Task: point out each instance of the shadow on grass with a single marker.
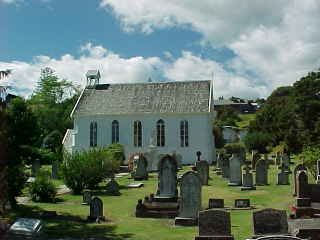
(71, 226)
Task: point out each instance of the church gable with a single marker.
(166, 97)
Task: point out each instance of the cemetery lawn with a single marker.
(121, 223)
(245, 120)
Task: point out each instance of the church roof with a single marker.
(155, 97)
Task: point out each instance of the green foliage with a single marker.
(43, 189)
(22, 132)
(258, 141)
(309, 157)
(86, 169)
(218, 136)
(227, 116)
(292, 114)
(231, 148)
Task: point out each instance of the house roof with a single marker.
(155, 97)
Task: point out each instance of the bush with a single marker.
(258, 141)
(87, 168)
(42, 189)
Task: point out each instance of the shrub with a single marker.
(87, 168)
(258, 141)
(42, 189)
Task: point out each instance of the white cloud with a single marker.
(113, 68)
(278, 41)
(116, 69)
(11, 1)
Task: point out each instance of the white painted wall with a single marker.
(200, 133)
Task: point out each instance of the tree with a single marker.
(3, 161)
(258, 141)
(309, 157)
(22, 134)
(52, 103)
(227, 116)
(218, 136)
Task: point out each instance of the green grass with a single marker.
(119, 211)
(245, 120)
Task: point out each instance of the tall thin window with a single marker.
(160, 133)
(137, 134)
(115, 131)
(93, 134)
(184, 135)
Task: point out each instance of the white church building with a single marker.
(168, 117)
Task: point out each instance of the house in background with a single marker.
(165, 117)
(243, 106)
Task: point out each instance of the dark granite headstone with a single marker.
(203, 170)
(299, 167)
(214, 224)
(86, 197)
(235, 170)
(262, 172)
(283, 176)
(302, 184)
(270, 221)
(96, 209)
(140, 165)
(242, 203)
(216, 203)
(113, 187)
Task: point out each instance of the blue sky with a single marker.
(250, 47)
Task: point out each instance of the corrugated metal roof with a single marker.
(163, 97)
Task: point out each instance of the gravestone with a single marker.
(36, 165)
(299, 167)
(242, 203)
(96, 209)
(167, 179)
(216, 203)
(235, 170)
(285, 160)
(190, 199)
(318, 172)
(214, 224)
(203, 170)
(140, 165)
(112, 188)
(225, 167)
(247, 180)
(270, 222)
(302, 184)
(283, 176)
(26, 228)
(261, 172)
(54, 170)
(86, 197)
(178, 158)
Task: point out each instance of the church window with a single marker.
(137, 134)
(184, 135)
(93, 134)
(160, 133)
(115, 131)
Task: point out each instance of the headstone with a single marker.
(86, 197)
(235, 170)
(247, 180)
(190, 199)
(318, 172)
(299, 167)
(214, 224)
(167, 178)
(140, 165)
(216, 203)
(283, 176)
(242, 203)
(36, 165)
(112, 187)
(96, 209)
(302, 184)
(261, 172)
(26, 228)
(225, 168)
(54, 170)
(270, 222)
(203, 170)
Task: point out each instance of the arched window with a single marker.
(93, 134)
(115, 131)
(160, 133)
(184, 136)
(137, 134)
